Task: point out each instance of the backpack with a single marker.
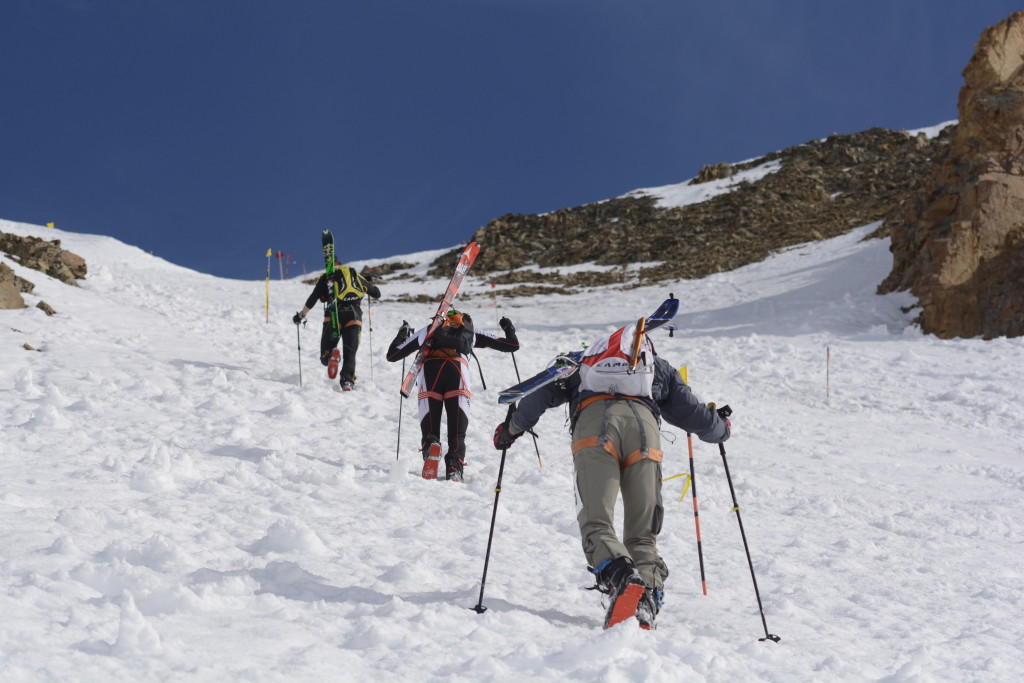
(604, 368)
(457, 337)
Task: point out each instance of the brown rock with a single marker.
(11, 287)
(10, 296)
(959, 246)
(44, 256)
(712, 172)
(45, 308)
(74, 263)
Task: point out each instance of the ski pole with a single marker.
(696, 515)
(299, 338)
(398, 446)
(518, 380)
(369, 314)
(726, 411)
(479, 369)
(480, 609)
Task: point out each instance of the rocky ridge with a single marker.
(822, 188)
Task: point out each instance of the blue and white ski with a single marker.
(565, 365)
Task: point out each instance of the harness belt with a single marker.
(602, 441)
(350, 323)
(443, 353)
(438, 396)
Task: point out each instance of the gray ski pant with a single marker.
(616, 445)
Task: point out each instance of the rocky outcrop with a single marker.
(712, 172)
(960, 247)
(11, 287)
(44, 256)
(820, 189)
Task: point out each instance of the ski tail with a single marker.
(638, 339)
(562, 367)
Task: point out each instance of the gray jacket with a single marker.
(672, 401)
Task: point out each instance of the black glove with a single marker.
(504, 436)
(724, 412)
(405, 331)
(297, 318)
(507, 326)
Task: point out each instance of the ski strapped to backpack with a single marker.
(332, 306)
(567, 364)
(466, 259)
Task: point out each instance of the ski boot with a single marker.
(347, 384)
(453, 468)
(332, 364)
(431, 459)
(648, 607)
(622, 583)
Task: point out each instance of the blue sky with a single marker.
(208, 132)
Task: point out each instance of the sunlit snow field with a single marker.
(174, 506)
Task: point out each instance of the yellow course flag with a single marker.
(270, 252)
(686, 487)
(49, 225)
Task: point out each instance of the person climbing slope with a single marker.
(345, 288)
(444, 384)
(615, 416)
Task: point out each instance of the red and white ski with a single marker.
(465, 261)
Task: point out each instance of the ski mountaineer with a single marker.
(445, 383)
(347, 287)
(615, 417)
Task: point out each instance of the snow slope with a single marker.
(174, 506)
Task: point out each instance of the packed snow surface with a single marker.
(175, 506)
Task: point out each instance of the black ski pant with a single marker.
(351, 329)
(443, 385)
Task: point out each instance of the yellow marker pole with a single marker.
(266, 305)
(49, 225)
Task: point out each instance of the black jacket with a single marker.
(321, 292)
(482, 339)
